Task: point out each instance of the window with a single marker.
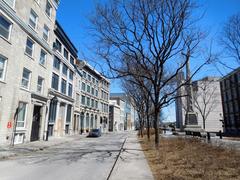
(29, 47)
(45, 33)
(64, 69)
(5, 27)
(43, 56)
(84, 74)
(56, 63)
(58, 46)
(48, 9)
(63, 86)
(97, 82)
(26, 78)
(52, 111)
(22, 107)
(40, 84)
(92, 103)
(65, 53)
(88, 101)
(3, 62)
(33, 19)
(83, 86)
(71, 75)
(93, 80)
(92, 91)
(97, 93)
(55, 80)
(70, 89)
(83, 100)
(11, 3)
(88, 88)
(89, 77)
(71, 60)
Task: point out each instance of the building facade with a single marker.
(206, 104)
(26, 38)
(92, 99)
(116, 121)
(230, 91)
(61, 93)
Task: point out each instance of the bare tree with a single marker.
(205, 98)
(146, 38)
(230, 37)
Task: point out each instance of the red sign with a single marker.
(9, 125)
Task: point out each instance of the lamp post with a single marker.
(52, 101)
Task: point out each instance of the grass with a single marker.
(181, 158)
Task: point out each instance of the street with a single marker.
(86, 158)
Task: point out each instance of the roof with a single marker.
(230, 74)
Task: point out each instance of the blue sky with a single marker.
(73, 16)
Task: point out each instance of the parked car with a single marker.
(95, 133)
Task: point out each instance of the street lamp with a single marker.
(52, 101)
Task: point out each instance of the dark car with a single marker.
(95, 133)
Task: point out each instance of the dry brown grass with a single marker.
(180, 158)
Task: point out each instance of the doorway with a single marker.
(36, 123)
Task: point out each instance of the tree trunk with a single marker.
(148, 124)
(156, 126)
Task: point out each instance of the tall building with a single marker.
(92, 98)
(230, 91)
(26, 38)
(62, 85)
(206, 103)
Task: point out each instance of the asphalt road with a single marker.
(80, 159)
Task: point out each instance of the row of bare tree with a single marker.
(148, 43)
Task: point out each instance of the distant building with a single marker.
(116, 123)
(128, 112)
(207, 104)
(230, 91)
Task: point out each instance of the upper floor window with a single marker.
(48, 9)
(71, 75)
(33, 19)
(84, 74)
(40, 84)
(3, 64)
(26, 75)
(11, 3)
(63, 86)
(29, 47)
(65, 53)
(83, 100)
(71, 60)
(88, 88)
(97, 93)
(5, 27)
(89, 77)
(55, 80)
(58, 46)
(43, 56)
(45, 33)
(56, 63)
(64, 69)
(70, 89)
(97, 82)
(93, 80)
(83, 86)
(92, 91)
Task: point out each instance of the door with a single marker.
(36, 123)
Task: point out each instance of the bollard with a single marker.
(208, 136)
(220, 134)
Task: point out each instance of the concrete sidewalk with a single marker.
(8, 151)
(132, 163)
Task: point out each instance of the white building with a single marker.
(26, 38)
(207, 104)
(116, 115)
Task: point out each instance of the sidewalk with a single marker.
(6, 151)
(132, 163)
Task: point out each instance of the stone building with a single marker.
(26, 38)
(116, 123)
(62, 85)
(92, 98)
(230, 91)
(206, 104)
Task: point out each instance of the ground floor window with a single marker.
(22, 107)
(50, 130)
